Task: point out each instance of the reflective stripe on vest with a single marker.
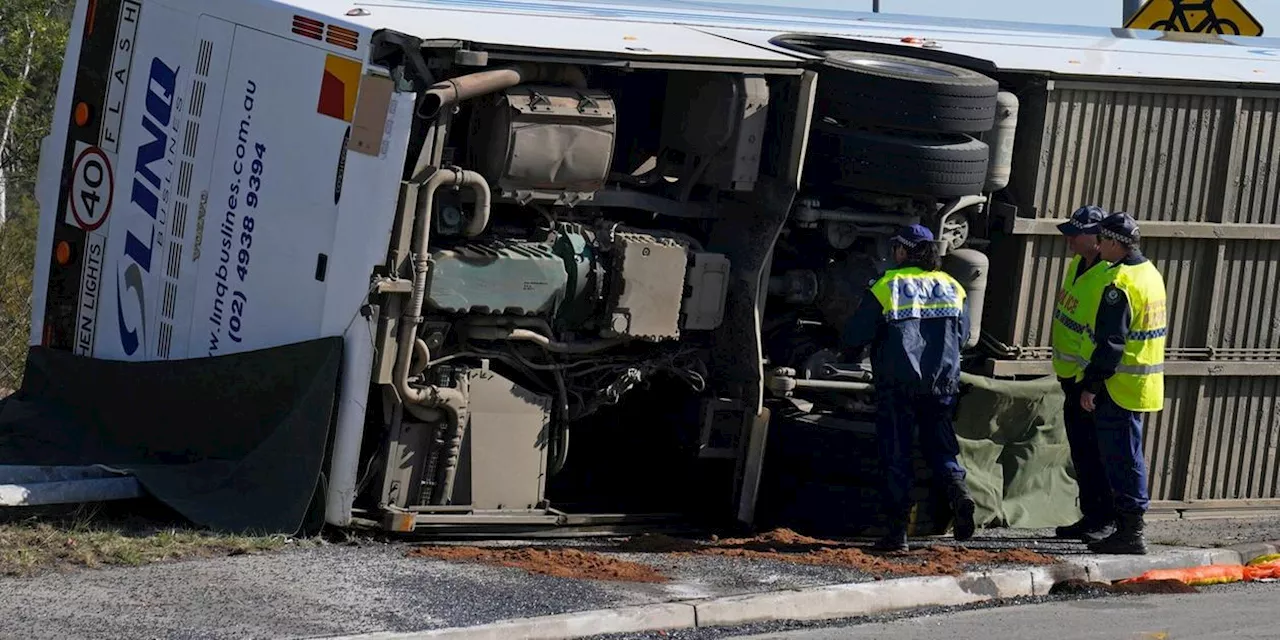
(915, 294)
(1138, 384)
(1076, 307)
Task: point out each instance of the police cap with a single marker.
(912, 236)
(1084, 221)
(1120, 227)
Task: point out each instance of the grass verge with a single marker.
(36, 541)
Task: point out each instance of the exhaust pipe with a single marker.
(450, 92)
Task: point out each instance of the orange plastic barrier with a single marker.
(1262, 571)
(1195, 576)
(1267, 559)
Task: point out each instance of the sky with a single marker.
(1093, 13)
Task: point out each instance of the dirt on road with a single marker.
(1153, 587)
(779, 545)
(788, 546)
(561, 563)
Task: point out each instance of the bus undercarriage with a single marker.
(596, 297)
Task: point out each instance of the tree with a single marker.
(33, 36)
(17, 255)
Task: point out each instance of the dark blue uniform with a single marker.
(1078, 300)
(1124, 377)
(1119, 432)
(1091, 476)
(916, 362)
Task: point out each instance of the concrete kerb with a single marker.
(634, 619)
(836, 601)
(1114, 568)
(1248, 552)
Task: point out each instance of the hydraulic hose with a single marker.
(555, 346)
(451, 402)
(408, 343)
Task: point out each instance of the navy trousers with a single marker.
(1086, 456)
(1120, 442)
(900, 418)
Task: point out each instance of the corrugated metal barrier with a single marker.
(1199, 167)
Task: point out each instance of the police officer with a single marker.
(1077, 305)
(1125, 375)
(916, 318)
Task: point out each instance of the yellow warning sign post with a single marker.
(1223, 17)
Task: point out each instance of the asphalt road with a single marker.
(1238, 612)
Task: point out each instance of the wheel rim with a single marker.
(900, 66)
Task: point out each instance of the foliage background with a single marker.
(33, 36)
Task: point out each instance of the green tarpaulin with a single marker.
(822, 474)
(1014, 447)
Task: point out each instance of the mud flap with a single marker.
(751, 466)
(747, 234)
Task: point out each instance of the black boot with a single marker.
(1097, 532)
(896, 520)
(962, 506)
(894, 540)
(1127, 539)
(1072, 531)
(1086, 529)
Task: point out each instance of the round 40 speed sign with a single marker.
(92, 188)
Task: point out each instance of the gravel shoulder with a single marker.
(334, 590)
(315, 590)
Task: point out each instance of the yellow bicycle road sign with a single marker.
(1224, 17)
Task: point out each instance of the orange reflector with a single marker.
(91, 18)
(344, 38)
(63, 253)
(399, 522)
(82, 114)
(308, 27)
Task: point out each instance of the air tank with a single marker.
(1000, 141)
(970, 268)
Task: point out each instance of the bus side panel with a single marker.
(201, 96)
(370, 195)
(140, 246)
(268, 229)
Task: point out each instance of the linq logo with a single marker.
(161, 85)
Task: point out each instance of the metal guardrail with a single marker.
(29, 486)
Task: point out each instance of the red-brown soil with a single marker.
(781, 544)
(562, 563)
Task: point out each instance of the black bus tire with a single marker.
(897, 163)
(880, 90)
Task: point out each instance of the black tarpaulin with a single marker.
(233, 443)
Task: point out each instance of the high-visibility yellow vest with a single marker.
(1138, 384)
(915, 294)
(1077, 306)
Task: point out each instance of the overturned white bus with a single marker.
(574, 256)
